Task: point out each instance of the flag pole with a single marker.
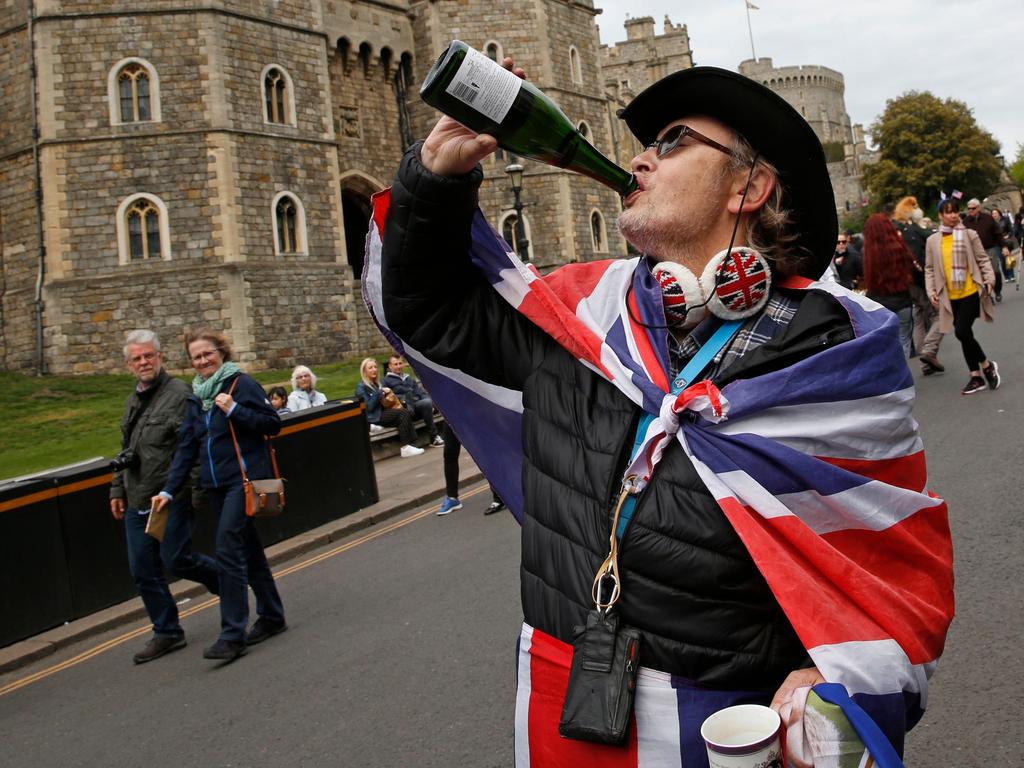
(750, 29)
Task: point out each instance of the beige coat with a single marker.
(935, 277)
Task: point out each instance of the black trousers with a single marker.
(965, 312)
(452, 449)
(402, 419)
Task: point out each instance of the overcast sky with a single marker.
(964, 49)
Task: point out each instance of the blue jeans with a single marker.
(241, 561)
(148, 559)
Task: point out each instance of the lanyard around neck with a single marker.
(690, 373)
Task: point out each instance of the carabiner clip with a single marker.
(609, 570)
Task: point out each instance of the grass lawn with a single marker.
(56, 420)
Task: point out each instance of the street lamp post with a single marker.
(515, 176)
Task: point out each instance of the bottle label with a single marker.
(485, 86)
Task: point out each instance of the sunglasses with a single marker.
(841, 242)
(674, 136)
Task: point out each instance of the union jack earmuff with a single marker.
(735, 284)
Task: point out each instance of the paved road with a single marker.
(400, 650)
(976, 462)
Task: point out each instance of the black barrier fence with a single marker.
(62, 555)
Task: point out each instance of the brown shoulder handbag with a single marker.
(263, 498)
(390, 401)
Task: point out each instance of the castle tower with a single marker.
(818, 94)
(633, 64)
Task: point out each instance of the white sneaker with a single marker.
(375, 428)
(410, 450)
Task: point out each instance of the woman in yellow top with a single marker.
(959, 280)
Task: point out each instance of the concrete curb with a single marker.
(34, 648)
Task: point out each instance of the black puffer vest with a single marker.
(688, 582)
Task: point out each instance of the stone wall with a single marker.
(365, 116)
(19, 244)
(15, 92)
(265, 166)
(19, 262)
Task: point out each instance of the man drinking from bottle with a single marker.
(711, 453)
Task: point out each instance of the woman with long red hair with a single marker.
(888, 272)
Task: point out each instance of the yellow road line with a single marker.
(131, 635)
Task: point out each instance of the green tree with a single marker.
(1017, 167)
(927, 144)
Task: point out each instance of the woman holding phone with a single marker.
(225, 400)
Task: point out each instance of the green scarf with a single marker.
(207, 389)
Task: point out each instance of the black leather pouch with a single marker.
(602, 681)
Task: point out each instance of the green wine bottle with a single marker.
(486, 98)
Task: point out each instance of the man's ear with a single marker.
(762, 184)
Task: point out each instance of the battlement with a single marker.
(799, 76)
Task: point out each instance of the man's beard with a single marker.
(678, 240)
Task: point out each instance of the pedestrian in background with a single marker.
(227, 421)
(450, 502)
(959, 279)
(1006, 227)
(149, 433)
(376, 397)
(991, 235)
(304, 394)
(413, 396)
(846, 261)
(888, 267)
(278, 397)
(905, 216)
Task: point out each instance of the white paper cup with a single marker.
(744, 736)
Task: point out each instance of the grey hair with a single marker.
(974, 201)
(141, 336)
(299, 370)
(771, 230)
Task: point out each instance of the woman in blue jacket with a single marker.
(223, 396)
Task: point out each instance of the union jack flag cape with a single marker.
(818, 466)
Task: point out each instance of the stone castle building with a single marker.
(168, 164)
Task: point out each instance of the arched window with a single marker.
(344, 51)
(405, 66)
(278, 96)
(584, 130)
(510, 232)
(575, 70)
(597, 232)
(142, 229)
(493, 51)
(288, 219)
(133, 92)
(364, 58)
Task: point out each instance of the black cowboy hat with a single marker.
(770, 125)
